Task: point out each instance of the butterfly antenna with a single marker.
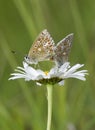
(14, 52)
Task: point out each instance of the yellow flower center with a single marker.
(46, 72)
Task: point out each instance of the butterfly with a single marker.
(44, 48)
(62, 50)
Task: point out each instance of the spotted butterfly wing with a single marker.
(62, 50)
(42, 48)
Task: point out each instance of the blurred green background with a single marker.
(23, 105)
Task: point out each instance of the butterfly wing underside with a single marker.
(62, 50)
(42, 48)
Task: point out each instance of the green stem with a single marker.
(49, 98)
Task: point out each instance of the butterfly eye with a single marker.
(26, 57)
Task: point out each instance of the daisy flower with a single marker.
(54, 76)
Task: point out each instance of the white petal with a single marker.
(61, 83)
(18, 75)
(64, 67)
(25, 64)
(77, 77)
(20, 68)
(39, 84)
(39, 77)
(40, 72)
(53, 72)
(73, 69)
(31, 71)
(82, 71)
(20, 71)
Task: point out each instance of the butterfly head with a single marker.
(30, 60)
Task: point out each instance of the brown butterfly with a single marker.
(62, 50)
(42, 48)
